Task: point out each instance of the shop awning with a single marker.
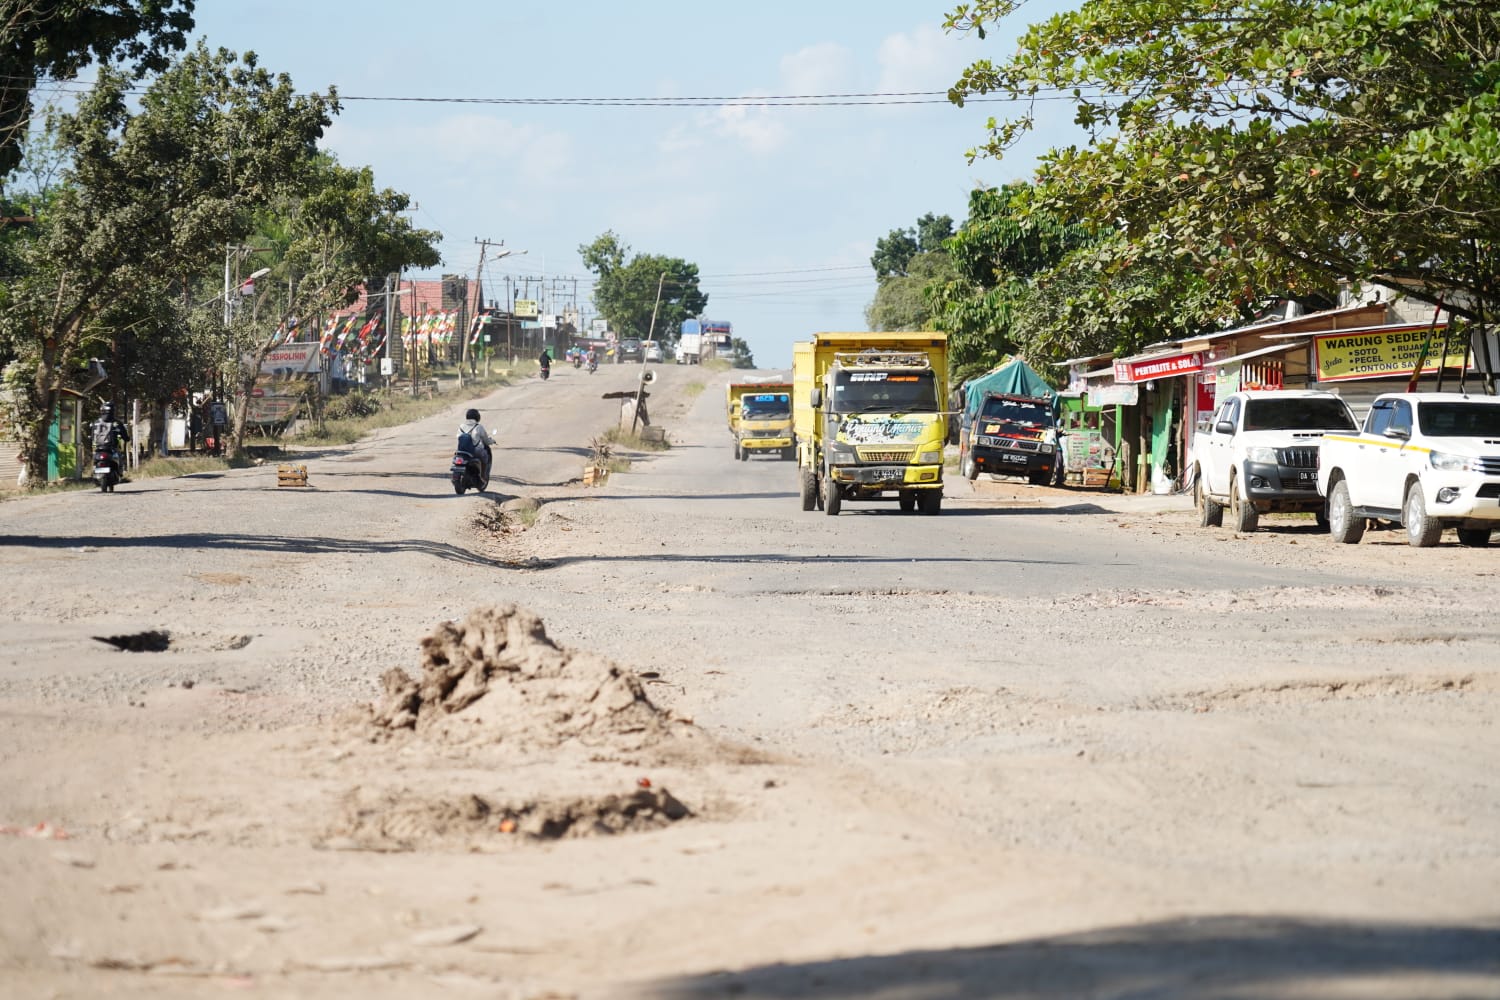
(1261, 352)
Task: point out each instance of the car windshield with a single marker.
(1016, 411)
(765, 406)
(883, 392)
(1300, 413)
(1459, 419)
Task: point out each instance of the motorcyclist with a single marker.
(545, 360)
(484, 444)
(592, 359)
(109, 433)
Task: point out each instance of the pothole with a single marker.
(152, 641)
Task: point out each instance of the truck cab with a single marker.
(1010, 435)
(760, 418)
(1424, 460)
(1258, 454)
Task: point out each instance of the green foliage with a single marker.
(626, 292)
(352, 406)
(895, 251)
(901, 301)
(1278, 143)
(57, 38)
(741, 356)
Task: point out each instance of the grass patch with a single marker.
(166, 468)
(634, 441)
(718, 365)
(349, 418)
(693, 388)
(617, 463)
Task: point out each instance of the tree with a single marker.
(329, 229)
(1274, 143)
(901, 301)
(57, 38)
(740, 356)
(148, 201)
(894, 252)
(626, 292)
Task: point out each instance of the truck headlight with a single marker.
(838, 451)
(1046, 449)
(1261, 456)
(1448, 462)
(929, 457)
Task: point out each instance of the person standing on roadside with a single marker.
(218, 419)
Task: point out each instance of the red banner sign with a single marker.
(1146, 369)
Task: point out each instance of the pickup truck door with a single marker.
(1220, 450)
(1400, 457)
(1373, 462)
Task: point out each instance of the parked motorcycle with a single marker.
(468, 469)
(106, 469)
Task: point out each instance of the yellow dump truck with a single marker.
(760, 418)
(868, 413)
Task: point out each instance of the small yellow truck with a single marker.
(760, 418)
(869, 417)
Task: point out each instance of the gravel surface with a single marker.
(1052, 743)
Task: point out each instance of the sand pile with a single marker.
(495, 677)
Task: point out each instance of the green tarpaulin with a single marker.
(1014, 378)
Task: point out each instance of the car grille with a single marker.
(901, 457)
(1489, 465)
(767, 434)
(1016, 444)
(1300, 458)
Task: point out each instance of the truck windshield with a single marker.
(1306, 413)
(884, 392)
(1016, 411)
(765, 406)
(1459, 419)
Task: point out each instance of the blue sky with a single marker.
(779, 207)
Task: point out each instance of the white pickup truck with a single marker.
(1425, 460)
(1259, 454)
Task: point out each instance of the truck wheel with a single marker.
(1422, 531)
(831, 499)
(1342, 524)
(1244, 515)
(744, 453)
(1039, 478)
(970, 470)
(908, 502)
(1210, 512)
(1475, 537)
(809, 488)
(930, 502)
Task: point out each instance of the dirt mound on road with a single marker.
(495, 677)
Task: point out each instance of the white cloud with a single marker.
(474, 142)
(824, 68)
(754, 128)
(924, 59)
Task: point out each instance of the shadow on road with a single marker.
(253, 543)
(785, 558)
(1216, 958)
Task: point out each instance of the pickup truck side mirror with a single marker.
(815, 398)
(1398, 433)
(1224, 427)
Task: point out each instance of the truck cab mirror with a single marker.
(1224, 427)
(815, 399)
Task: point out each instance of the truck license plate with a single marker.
(1015, 459)
(1306, 476)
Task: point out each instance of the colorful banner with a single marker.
(1382, 353)
(1147, 369)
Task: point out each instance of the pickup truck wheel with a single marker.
(970, 470)
(1422, 531)
(1244, 515)
(930, 502)
(1475, 537)
(1210, 512)
(832, 501)
(809, 488)
(1342, 524)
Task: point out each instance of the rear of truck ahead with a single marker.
(760, 418)
(868, 409)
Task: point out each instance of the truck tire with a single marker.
(930, 502)
(1474, 537)
(1210, 511)
(1242, 513)
(832, 501)
(970, 469)
(809, 488)
(1039, 478)
(908, 501)
(1343, 526)
(744, 453)
(1422, 531)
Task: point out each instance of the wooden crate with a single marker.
(291, 475)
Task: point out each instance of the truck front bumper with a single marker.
(1007, 462)
(1461, 496)
(875, 478)
(765, 444)
(1281, 488)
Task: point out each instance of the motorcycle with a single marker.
(546, 373)
(106, 469)
(577, 361)
(593, 365)
(468, 469)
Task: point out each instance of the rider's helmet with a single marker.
(472, 415)
(107, 412)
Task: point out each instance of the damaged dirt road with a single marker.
(676, 737)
